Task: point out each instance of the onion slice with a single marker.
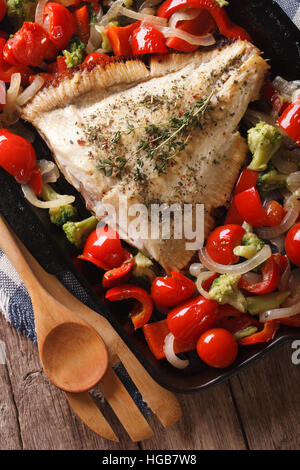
(196, 268)
(31, 90)
(207, 40)
(241, 268)
(293, 181)
(170, 354)
(185, 14)
(268, 233)
(31, 197)
(151, 19)
(200, 279)
(49, 171)
(39, 12)
(2, 92)
(283, 164)
(278, 313)
(149, 4)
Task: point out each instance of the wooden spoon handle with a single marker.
(89, 413)
(13, 252)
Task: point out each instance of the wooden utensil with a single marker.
(162, 402)
(72, 353)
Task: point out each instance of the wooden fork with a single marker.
(162, 402)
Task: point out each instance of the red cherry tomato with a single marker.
(275, 213)
(148, 40)
(217, 348)
(2, 9)
(6, 70)
(17, 156)
(170, 291)
(29, 46)
(190, 319)
(62, 24)
(96, 58)
(292, 244)
(222, 241)
(290, 121)
(103, 248)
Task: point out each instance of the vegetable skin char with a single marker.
(94, 117)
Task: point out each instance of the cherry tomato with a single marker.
(2, 9)
(17, 155)
(222, 241)
(190, 319)
(29, 46)
(170, 291)
(290, 121)
(96, 58)
(62, 24)
(148, 40)
(103, 248)
(275, 213)
(292, 244)
(217, 348)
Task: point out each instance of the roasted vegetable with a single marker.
(58, 215)
(264, 140)
(77, 232)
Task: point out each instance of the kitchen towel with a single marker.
(15, 303)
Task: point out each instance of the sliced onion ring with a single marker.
(49, 171)
(268, 233)
(283, 164)
(241, 268)
(149, 4)
(184, 14)
(31, 197)
(39, 12)
(207, 40)
(278, 313)
(31, 90)
(170, 354)
(200, 279)
(2, 92)
(154, 20)
(293, 181)
(196, 268)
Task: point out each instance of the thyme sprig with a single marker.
(108, 166)
(164, 141)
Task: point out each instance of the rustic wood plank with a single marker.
(45, 418)
(267, 397)
(10, 437)
(209, 421)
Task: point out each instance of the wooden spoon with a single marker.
(72, 353)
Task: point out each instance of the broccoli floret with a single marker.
(142, 267)
(58, 215)
(261, 303)
(251, 245)
(77, 232)
(263, 140)
(74, 54)
(271, 180)
(19, 11)
(223, 3)
(225, 290)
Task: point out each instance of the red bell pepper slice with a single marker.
(200, 26)
(263, 336)
(270, 279)
(36, 181)
(139, 317)
(250, 208)
(83, 23)
(247, 179)
(148, 40)
(121, 274)
(155, 334)
(120, 38)
(61, 65)
(293, 322)
(97, 58)
(224, 23)
(289, 121)
(233, 320)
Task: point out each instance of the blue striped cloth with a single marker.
(15, 302)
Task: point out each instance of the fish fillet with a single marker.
(102, 125)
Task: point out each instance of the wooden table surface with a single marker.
(258, 409)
